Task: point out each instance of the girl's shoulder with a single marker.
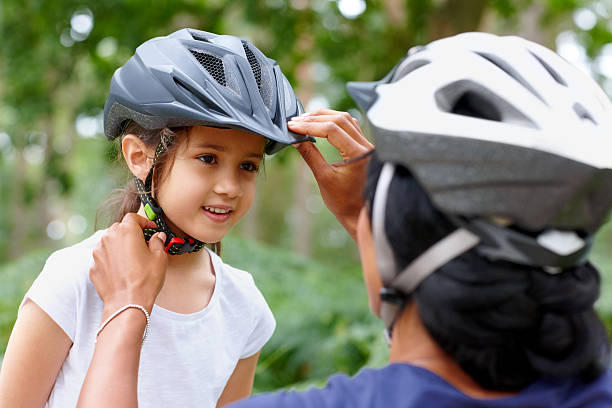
(63, 285)
(74, 259)
(235, 283)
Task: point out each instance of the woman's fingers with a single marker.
(313, 158)
(141, 221)
(346, 145)
(343, 119)
(340, 184)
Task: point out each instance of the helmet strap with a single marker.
(392, 301)
(174, 245)
(502, 243)
(397, 287)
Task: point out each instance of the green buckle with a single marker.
(150, 213)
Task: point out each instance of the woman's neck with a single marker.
(412, 344)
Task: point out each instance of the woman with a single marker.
(479, 212)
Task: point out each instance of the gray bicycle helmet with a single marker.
(194, 77)
(508, 139)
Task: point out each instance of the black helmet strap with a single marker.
(174, 245)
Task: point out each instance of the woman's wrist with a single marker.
(111, 306)
(129, 325)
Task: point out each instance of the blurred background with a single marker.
(56, 168)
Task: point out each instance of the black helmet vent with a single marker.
(255, 67)
(477, 106)
(212, 64)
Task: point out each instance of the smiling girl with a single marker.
(194, 114)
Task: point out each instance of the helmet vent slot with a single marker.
(551, 71)
(195, 95)
(504, 66)
(404, 70)
(199, 37)
(477, 106)
(212, 64)
(582, 113)
(255, 67)
(470, 99)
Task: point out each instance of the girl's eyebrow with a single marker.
(255, 155)
(221, 148)
(210, 146)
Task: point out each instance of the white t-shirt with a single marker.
(187, 358)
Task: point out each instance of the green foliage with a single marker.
(15, 279)
(602, 258)
(323, 320)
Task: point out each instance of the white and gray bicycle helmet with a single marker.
(508, 139)
(193, 77)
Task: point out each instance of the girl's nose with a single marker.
(228, 184)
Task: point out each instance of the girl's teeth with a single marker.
(217, 210)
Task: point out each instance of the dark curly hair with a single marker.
(505, 324)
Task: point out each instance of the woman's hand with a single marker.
(341, 184)
(125, 269)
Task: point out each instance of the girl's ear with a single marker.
(137, 156)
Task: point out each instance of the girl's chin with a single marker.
(206, 238)
(210, 237)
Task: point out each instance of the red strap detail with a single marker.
(173, 241)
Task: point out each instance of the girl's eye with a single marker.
(208, 159)
(250, 167)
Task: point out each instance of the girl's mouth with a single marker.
(216, 213)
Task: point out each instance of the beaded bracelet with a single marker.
(124, 308)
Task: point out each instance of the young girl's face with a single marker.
(211, 184)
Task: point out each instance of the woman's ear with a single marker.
(137, 156)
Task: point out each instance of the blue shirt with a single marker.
(404, 385)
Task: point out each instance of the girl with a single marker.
(194, 113)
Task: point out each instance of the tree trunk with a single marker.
(395, 10)
(302, 230)
(456, 16)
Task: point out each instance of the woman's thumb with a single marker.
(157, 241)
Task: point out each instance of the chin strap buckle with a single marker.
(175, 245)
(178, 246)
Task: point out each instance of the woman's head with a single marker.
(483, 203)
(505, 324)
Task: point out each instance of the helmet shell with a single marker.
(194, 77)
(497, 127)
